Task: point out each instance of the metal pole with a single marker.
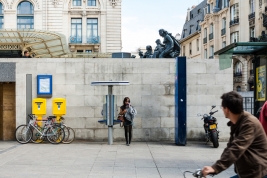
(110, 127)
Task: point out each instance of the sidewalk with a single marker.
(98, 160)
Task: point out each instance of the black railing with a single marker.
(238, 74)
(211, 36)
(234, 22)
(223, 31)
(251, 16)
(205, 40)
(248, 104)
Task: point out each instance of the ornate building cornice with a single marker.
(36, 2)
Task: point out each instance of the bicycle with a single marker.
(197, 173)
(54, 134)
(69, 132)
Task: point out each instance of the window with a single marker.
(91, 3)
(25, 17)
(190, 48)
(205, 33)
(191, 27)
(238, 69)
(1, 16)
(252, 32)
(235, 37)
(238, 88)
(211, 7)
(234, 11)
(88, 51)
(197, 44)
(76, 31)
(223, 44)
(252, 6)
(211, 51)
(223, 23)
(211, 28)
(198, 11)
(183, 50)
(206, 54)
(77, 2)
(223, 4)
(206, 10)
(92, 31)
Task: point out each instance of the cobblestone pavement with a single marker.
(83, 159)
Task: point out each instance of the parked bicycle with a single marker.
(53, 133)
(69, 132)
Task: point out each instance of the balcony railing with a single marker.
(93, 40)
(205, 40)
(89, 40)
(251, 16)
(211, 36)
(238, 74)
(234, 22)
(75, 39)
(223, 31)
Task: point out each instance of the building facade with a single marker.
(89, 25)
(225, 22)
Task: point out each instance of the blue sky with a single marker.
(141, 20)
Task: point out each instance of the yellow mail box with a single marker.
(59, 106)
(39, 106)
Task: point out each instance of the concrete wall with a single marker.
(151, 91)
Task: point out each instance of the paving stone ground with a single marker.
(82, 159)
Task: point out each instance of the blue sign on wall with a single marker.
(44, 86)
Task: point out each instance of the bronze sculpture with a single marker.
(169, 49)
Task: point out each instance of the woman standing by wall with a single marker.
(128, 113)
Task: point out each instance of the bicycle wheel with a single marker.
(36, 136)
(23, 134)
(71, 136)
(55, 135)
(67, 132)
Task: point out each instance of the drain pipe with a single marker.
(46, 4)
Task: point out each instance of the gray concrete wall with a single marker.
(151, 91)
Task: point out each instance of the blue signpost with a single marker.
(180, 101)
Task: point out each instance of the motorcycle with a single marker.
(210, 126)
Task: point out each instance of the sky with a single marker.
(142, 19)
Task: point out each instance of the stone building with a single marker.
(221, 23)
(88, 25)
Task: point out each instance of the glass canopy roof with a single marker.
(44, 44)
(242, 48)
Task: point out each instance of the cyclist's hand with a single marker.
(207, 170)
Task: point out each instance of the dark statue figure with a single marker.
(264, 22)
(169, 49)
(148, 53)
(159, 48)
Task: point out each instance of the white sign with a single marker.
(44, 86)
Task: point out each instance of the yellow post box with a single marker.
(59, 107)
(39, 108)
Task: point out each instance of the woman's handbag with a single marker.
(121, 118)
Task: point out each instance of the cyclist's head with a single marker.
(233, 101)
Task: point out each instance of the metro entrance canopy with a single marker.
(42, 44)
(241, 48)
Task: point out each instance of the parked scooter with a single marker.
(210, 126)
